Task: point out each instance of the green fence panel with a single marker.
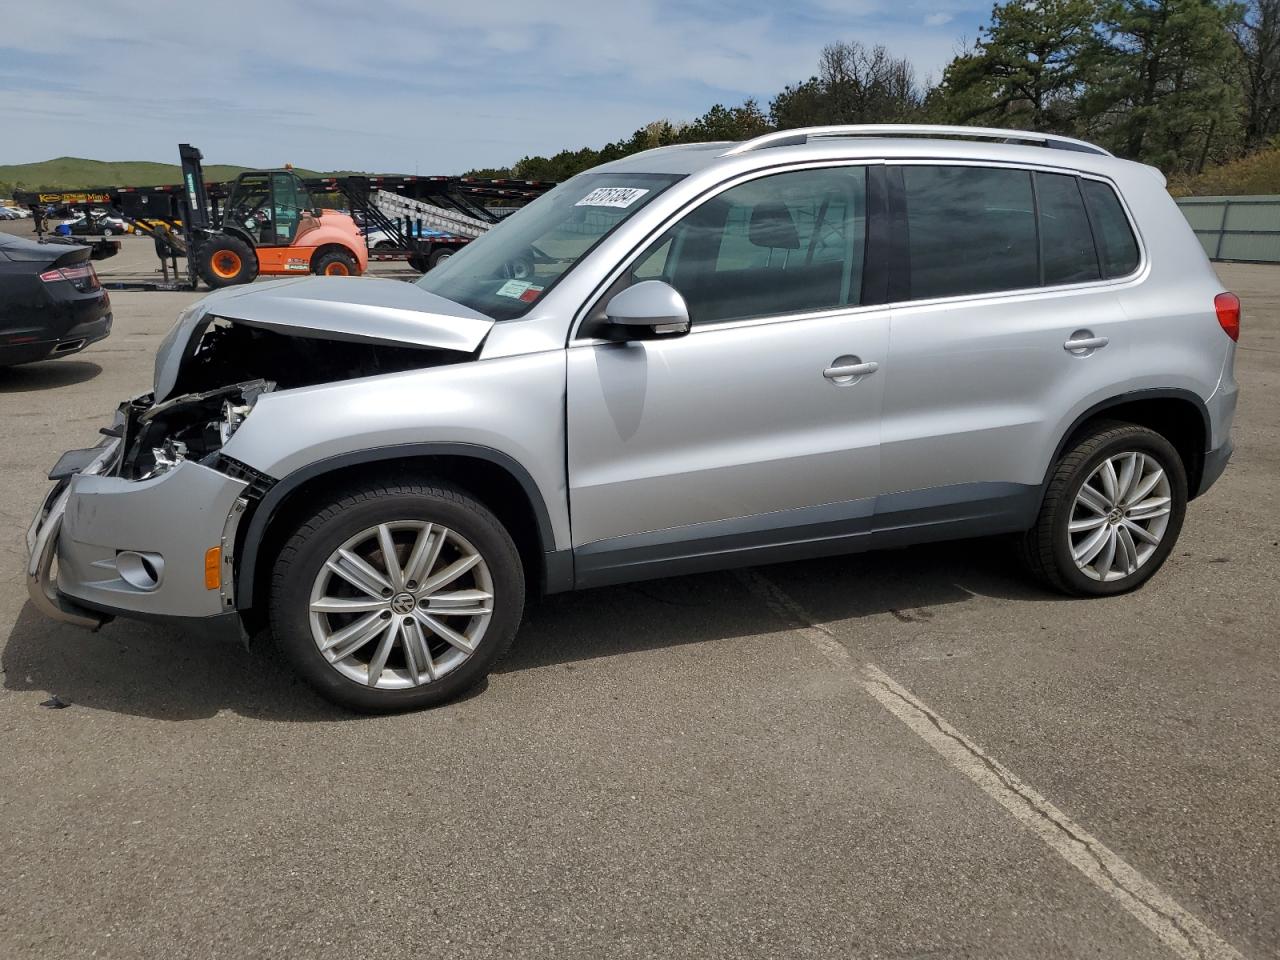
(1236, 228)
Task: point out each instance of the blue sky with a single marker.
(409, 85)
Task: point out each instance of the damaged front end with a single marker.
(145, 524)
(159, 436)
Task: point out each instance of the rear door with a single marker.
(1008, 321)
(735, 439)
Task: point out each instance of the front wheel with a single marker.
(225, 260)
(1112, 513)
(397, 597)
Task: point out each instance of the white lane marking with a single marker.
(1175, 927)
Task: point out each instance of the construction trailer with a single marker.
(420, 219)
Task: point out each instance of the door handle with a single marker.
(1079, 343)
(844, 373)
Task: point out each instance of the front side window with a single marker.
(784, 244)
(969, 230)
(509, 268)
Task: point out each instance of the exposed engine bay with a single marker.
(233, 364)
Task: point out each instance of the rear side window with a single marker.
(969, 230)
(1066, 242)
(1117, 247)
(987, 229)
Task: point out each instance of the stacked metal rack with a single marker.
(421, 219)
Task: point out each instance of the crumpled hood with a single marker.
(356, 309)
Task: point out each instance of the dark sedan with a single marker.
(51, 303)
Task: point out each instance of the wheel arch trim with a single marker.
(1119, 400)
(260, 520)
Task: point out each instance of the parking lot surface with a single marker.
(907, 754)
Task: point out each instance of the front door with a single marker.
(745, 437)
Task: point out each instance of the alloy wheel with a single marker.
(401, 604)
(1119, 516)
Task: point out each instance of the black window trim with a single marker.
(900, 268)
(879, 262)
(1093, 231)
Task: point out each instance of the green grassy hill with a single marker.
(71, 172)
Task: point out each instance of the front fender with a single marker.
(349, 240)
(508, 410)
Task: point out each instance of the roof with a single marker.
(917, 142)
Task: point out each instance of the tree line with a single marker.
(1180, 84)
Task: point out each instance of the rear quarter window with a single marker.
(1117, 246)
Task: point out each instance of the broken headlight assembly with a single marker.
(194, 426)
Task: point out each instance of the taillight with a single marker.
(81, 274)
(1228, 307)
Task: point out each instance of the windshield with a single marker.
(505, 271)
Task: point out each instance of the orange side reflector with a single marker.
(213, 568)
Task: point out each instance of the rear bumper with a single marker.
(71, 341)
(90, 522)
(1215, 463)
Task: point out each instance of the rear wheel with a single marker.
(396, 597)
(1112, 513)
(226, 260)
(335, 263)
(439, 257)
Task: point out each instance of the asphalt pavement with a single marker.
(916, 753)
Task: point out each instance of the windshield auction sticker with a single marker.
(520, 290)
(612, 197)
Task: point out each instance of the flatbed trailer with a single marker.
(173, 214)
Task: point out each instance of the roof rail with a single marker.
(790, 138)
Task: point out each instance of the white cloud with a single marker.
(938, 19)
(404, 84)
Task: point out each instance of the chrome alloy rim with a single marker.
(401, 604)
(1119, 516)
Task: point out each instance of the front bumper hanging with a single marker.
(42, 549)
(93, 524)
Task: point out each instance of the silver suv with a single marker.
(814, 342)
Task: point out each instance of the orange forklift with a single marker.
(265, 222)
(268, 226)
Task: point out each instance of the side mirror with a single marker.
(649, 310)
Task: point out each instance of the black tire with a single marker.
(419, 262)
(335, 263)
(1046, 548)
(332, 523)
(225, 261)
(444, 253)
